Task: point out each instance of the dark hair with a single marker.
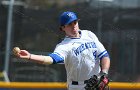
(60, 28)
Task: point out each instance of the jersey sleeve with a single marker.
(59, 54)
(101, 51)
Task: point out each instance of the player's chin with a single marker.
(74, 34)
(74, 31)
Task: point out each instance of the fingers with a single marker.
(21, 53)
(24, 53)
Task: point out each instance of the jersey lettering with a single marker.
(84, 46)
(94, 54)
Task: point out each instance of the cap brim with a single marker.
(71, 21)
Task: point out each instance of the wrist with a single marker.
(104, 71)
(29, 57)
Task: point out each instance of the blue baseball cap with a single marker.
(67, 17)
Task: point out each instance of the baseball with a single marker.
(16, 50)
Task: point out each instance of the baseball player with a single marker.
(82, 53)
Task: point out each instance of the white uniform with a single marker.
(81, 57)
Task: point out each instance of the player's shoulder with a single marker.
(88, 32)
(63, 42)
(84, 31)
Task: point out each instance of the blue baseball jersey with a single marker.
(81, 56)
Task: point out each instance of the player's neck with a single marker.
(77, 35)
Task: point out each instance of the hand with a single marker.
(102, 74)
(24, 54)
(103, 80)
(21, 53)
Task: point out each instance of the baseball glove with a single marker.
(98, 82)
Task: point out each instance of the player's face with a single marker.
(71, 29)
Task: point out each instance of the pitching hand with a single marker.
(21, 53)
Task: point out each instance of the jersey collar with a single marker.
(80, 33)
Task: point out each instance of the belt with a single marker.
(78, 82)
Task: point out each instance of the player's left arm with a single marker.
(100, 81)
(101, 53)
(105, 64)
(103, 75)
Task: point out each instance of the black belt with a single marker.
(76, 82)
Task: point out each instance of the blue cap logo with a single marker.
(67, 18)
